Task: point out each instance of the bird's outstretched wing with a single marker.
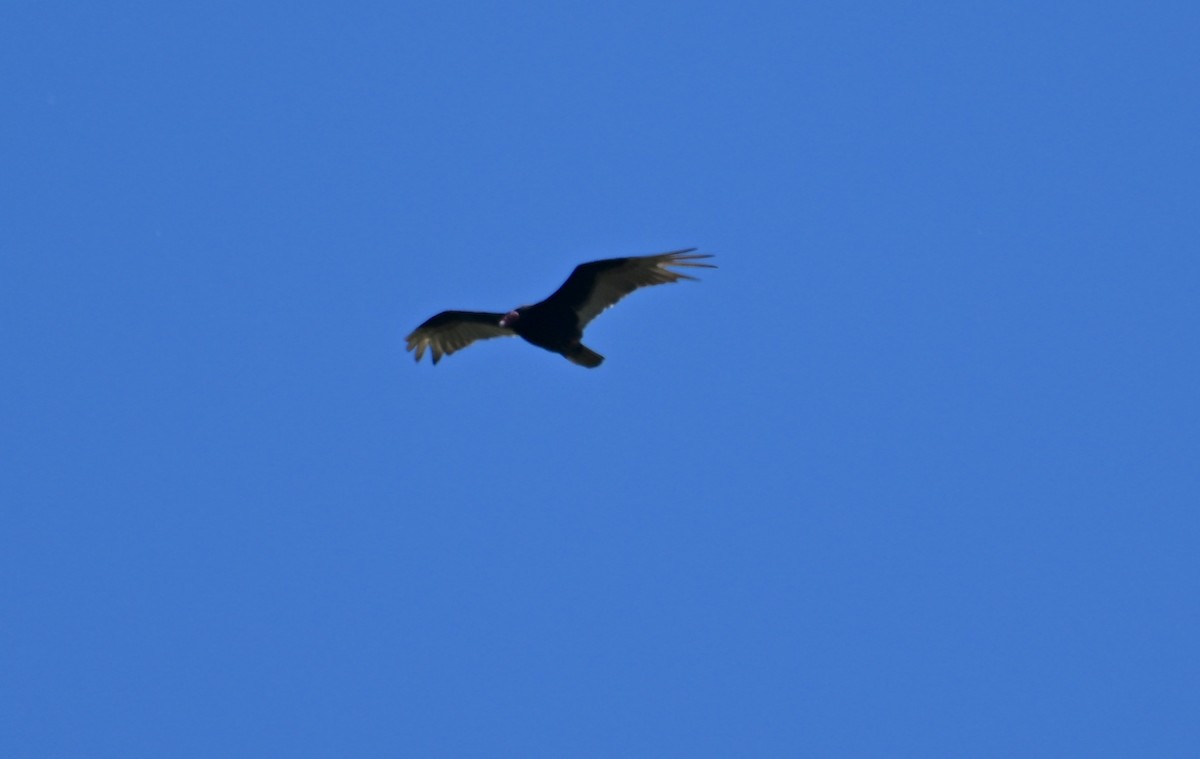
(452, 331)
(598, 285)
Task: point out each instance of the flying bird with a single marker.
(557, 323)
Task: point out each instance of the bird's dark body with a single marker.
(549, 325)
(556, 324)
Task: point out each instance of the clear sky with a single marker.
(913, 473)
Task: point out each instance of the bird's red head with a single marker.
(509, 319)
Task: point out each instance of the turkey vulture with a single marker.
(556, 323)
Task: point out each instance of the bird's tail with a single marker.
(583, 355)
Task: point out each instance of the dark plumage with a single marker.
(557, 323)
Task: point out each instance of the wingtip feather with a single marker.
(686, 258)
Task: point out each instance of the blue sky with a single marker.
(914, 473)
